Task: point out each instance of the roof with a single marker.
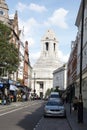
(49, 35)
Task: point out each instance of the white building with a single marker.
(46, 64)
(21, 64)
(84, 61)
(60, 77)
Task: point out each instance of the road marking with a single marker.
(38, 123)
(18, 109)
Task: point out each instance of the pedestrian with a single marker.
(4, 100)
(24, 97)
(75, 103)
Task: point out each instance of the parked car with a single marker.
(54, 95)
(54, 108)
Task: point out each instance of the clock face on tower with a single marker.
(2, 12)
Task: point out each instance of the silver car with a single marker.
(54, 95)
(54, 108)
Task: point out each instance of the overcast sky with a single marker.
(37, 16)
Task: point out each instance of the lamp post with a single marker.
(34, 83)
(80, 103)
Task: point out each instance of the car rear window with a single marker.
(54, 96)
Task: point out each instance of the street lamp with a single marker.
(34, 83)
(80, 103)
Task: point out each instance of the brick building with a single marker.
(16, 34)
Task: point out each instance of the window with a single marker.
(54, 46)
(1, 12)
(47, 45)
(41, 85)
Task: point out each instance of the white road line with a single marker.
(38, 123)
(18, 109)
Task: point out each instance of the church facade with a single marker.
(42, 74)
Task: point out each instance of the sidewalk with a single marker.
(13, 104)
(72, 119)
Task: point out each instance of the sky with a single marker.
(35, 17)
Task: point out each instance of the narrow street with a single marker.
(29, 116)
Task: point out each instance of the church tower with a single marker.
(4, 17)
(49, 45)
(46, 64)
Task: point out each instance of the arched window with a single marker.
(54, 46)
(47, 45)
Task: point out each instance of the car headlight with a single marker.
(62, 108)
(46, 109)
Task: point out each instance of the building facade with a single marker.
(60, 77)
(27, 68)
(16, 36)
(42, 74)
(72, 64)
(84, 52)
(73, 69)
(13, 24)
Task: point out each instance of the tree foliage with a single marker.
(9, 55)
(47, 93)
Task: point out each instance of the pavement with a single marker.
(72, 118)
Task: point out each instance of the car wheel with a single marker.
(65, 115)
(45, 116)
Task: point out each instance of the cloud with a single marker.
(33, 57)
(21, 7)
(63, 56)
(58, 18)
(35, 7)
(11, 16)
(29, 25)
(28, 28)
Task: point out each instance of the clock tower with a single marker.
(4, 17)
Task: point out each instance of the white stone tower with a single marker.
(4, 17)
(46, 64)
